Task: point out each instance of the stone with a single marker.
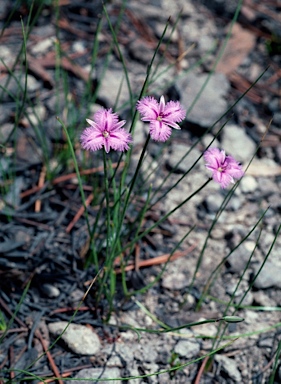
(11, 84)
(179, 161)
(96, 373)
(176, 281)
(27, 150)
(239, 258)
(13, 196)
(268, 277)
(113, 87)
(5, 131)
(140, 51)
(43, 46)
(211, 104)
(229, 367)
(248, 184)
(79, 338)
(213, 202)
(187, 349)
(34, 115)
(50, 290)
(237, 143)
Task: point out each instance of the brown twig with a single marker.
(201, 370)
(79, 213)
(12, 359)
(156, 260)
(67, 373)
(69, 176)
(49, 356)
(15, 330)
(41, 182)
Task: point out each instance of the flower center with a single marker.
(159, 118)
(221, 169)
(105, 134)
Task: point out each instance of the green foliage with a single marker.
(174, 362)
(3, 324)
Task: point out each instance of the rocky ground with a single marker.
(39, 243)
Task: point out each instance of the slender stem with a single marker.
(167, 215)
(106, 190)
(129, 193)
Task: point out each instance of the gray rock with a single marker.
(205, 112)
(96, 373)
(79, 338)
(268, 277)
(238, 259)
(50, 290)
(27, 150)
(141, 352)
(178, 153)
(237, 143)
(187, 349)
(213, 202)
(13, 196)
(35, 115)
(5, 113)
(176, 281)
(43, 46)
(164, 378)
(11, 84)
(5, 131)
(140, 51)
(113, 86)
(248, 184)
(234, 203)
(146, 353)
(229, 367)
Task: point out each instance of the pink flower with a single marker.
(105, 131)
(161, 117)
(224, 168)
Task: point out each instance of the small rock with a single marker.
(179, 162)
(79, 338)
(113, 86)
(176, 281)
(213, 202)
(237, 261)
(78, 46)
(96, 373)
(50, 290)
(13, 196)
(6, 53)
(76, 296)
(27, 150)
(268, 277)
(140, 51)
(139, 133)
(146, 353)
(234, 203)
(36, 115)
(237, 143)
(229, 367)
(248, 184)
(43, 46)
(187, 349)
(205, 111)
(5, 131)
(263, 300)
(205, 329)
(164, 378)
